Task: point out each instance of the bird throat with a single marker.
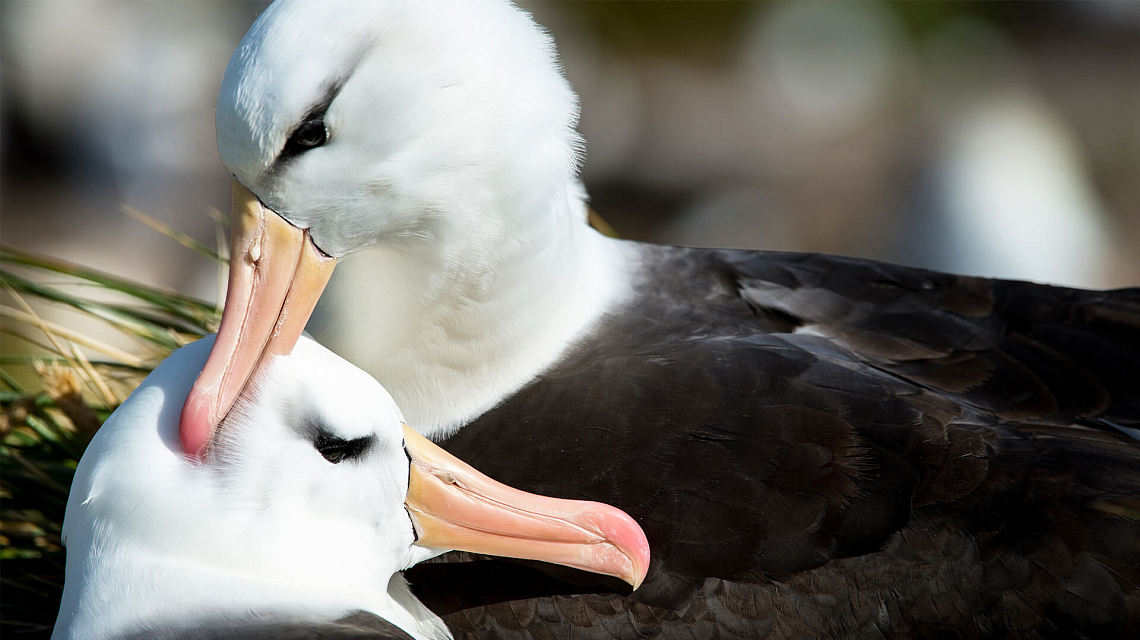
(450, 343)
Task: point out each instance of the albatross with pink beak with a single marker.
(312, 499)
(805, 439)
(434, 141)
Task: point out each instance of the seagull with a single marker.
(814, 445)
(312, 500)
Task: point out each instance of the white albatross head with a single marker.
(439, 130)
(310, 501)
(372, 122)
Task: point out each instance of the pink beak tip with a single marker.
(621, 529)
(194, 426)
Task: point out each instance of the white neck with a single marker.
(127, 590)
(452, 330)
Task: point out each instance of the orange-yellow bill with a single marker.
(453, 506)
(276, 277)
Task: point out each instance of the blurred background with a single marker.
(997, 139)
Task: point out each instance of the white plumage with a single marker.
(267, 527)
(451, 164)
(310, 499)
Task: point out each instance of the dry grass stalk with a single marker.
(63, 387)
(73, 336)
(56, 344)
(170, 232)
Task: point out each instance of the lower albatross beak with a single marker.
(453, 506)
(276, 276)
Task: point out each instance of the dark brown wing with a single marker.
(1017, 350)
(830, 447)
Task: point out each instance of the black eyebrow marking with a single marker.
(336, 449)
(316, 112)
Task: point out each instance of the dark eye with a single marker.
(337, 450)
(310, 134)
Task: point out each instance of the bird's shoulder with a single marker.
(763, 414)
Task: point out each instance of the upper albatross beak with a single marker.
(453, 506)
(276, 277)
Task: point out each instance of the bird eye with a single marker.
(311, 133)
(337, 450)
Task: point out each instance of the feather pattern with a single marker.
(820, 446)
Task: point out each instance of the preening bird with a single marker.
(297, 523)
(816, 446)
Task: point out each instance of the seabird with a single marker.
(313, 498)
(815, 446)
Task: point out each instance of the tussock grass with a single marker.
(77, 380)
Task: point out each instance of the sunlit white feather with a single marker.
(452, 160)
(266, 527)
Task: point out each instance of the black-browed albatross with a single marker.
(312, 499)
(815, 446)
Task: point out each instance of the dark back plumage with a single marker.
(820, 446)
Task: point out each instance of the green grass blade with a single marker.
(194, 310)
(16, 359)
(11, 382)
(121, 320)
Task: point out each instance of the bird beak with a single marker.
(276, 276)
(453, 506)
